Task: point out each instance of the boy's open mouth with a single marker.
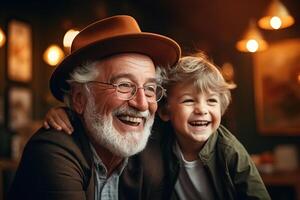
(199, 123)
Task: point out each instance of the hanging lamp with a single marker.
(276, 17)
(252, 40)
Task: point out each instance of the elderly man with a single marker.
(110, 83)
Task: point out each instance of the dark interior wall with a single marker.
(51, 19)
(245, 112)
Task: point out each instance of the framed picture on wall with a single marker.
(1, 109)
(19, 51)
(20, 107)
(277, 88)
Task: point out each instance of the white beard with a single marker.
(104, 133)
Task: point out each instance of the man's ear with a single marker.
(78, 99)
(163, 113)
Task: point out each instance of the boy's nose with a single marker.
(139, 101)
(200, 108)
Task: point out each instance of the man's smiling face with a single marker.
(129, 121)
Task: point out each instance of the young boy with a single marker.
(203, 160)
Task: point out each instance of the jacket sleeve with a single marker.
(244, 174)
(50, 168)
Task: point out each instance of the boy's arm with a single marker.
(246, 177)
(57, 118)
(242, 171)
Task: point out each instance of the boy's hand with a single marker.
(58, 119)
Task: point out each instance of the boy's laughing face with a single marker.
(193, 114)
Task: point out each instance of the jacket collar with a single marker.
(82, 141)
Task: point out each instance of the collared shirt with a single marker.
(106, 188)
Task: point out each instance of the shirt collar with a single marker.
(100, 167)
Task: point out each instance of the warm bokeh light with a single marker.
(275, 22)
(69, 36)
(276, 17)
(53, 55)
(252, 45)
(252, 40)
(299, 78)
(2, 38)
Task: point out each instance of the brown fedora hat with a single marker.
(114, 35)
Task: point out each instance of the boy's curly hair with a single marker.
(201, 72)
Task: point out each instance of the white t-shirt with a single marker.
(192, 182)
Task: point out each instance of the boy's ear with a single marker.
(78, 100)
(163, 113)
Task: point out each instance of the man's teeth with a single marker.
(131, 119)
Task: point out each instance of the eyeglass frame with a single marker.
(134, 89)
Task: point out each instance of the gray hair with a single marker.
(202, 73)
(82, 74)
(89, 72)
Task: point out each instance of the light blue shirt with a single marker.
(106, 188)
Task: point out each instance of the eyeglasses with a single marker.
(127, 90)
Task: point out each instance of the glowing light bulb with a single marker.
(252, 45)
(53, 55)
(69, 36)
(2, 38)
(275, 22)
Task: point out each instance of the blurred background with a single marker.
(260, 57)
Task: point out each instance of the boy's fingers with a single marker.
(53, 124)
(65, 127)
(58, 119)
(64, 121)
(70, 127)
(46, 125)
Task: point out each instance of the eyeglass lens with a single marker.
(127, 91)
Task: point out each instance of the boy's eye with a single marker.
(213, 100)
(188, 101)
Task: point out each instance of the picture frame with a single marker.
(20, 107)
(19, 51)
(277, 88)
(1, 109)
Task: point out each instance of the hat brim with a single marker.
(162, 50)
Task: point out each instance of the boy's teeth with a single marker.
(200, 123)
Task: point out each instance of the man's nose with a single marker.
(139, 100)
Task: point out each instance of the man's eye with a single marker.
(150, 88)
(125, 86)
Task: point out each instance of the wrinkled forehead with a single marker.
(132, 65)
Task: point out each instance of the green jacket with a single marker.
(232, 173)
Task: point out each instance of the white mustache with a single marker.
(132, 112)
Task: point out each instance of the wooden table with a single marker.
(6, 165)
(287, 178)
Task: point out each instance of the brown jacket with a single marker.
(58, 166)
